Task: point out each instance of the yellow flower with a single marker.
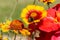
(5, 26)
(24, 32)
(33, 11)
(1, 24)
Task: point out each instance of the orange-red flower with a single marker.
(16, 25)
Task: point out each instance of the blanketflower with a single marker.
(16, 25)
(5, 26)
(24, 32)
(33, 13)
(47, 1)
(48, 24)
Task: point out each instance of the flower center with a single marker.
(30, 19)
(33, 14)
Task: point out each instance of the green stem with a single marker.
(8, 35)
(15, 37)
(15, 6)
(19, 34)
(34, 2)
(48, 4)
(1, 34)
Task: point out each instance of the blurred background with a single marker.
(13, 8)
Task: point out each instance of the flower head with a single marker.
(16, 25)
(33, 13)
(5, 26)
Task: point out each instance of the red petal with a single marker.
(48, 25)
(56, 7)
(51, 12)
